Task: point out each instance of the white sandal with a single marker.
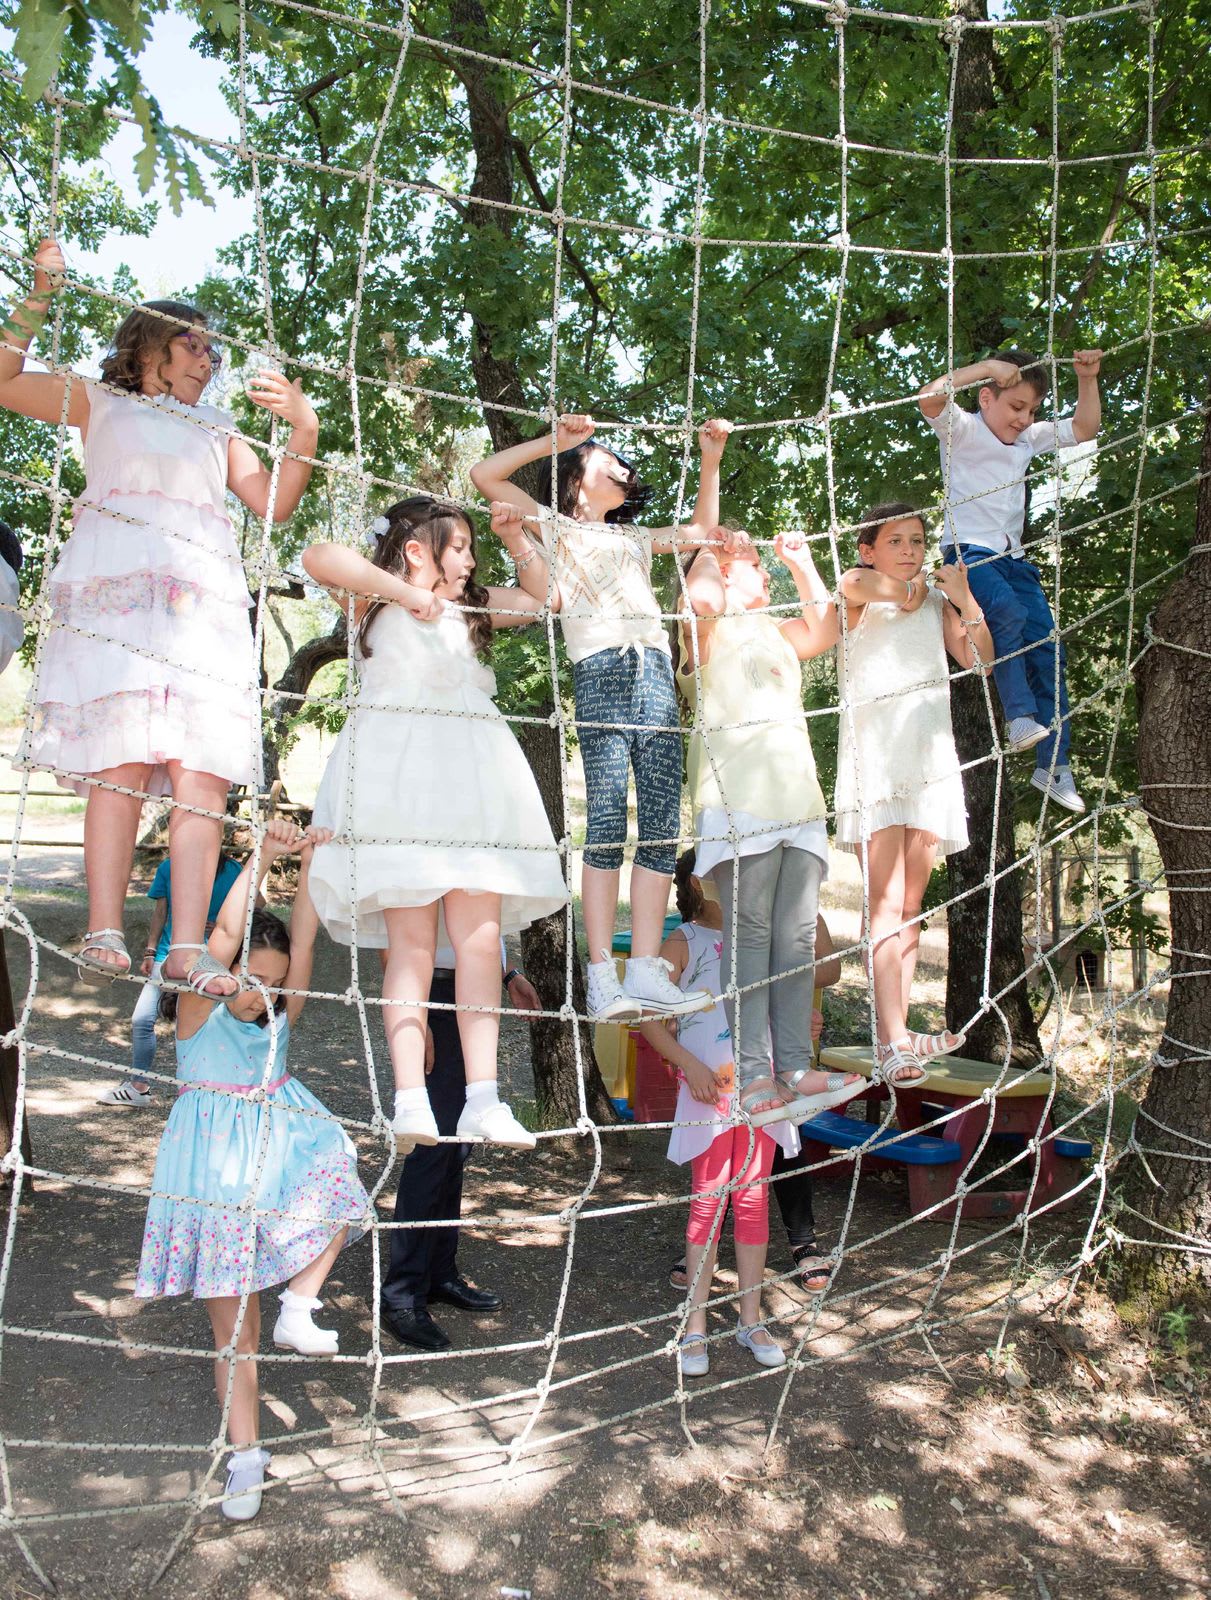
(95, 971)
(897, 1059)
(928, 1046)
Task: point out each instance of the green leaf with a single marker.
(41, 26)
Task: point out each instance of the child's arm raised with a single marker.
(704, 589)
(933, 397)
(343, 571)
(38, 394)
(712, 440)
(494, 477)
(248, 477)
(1087, 418)
(227, 935)
(816, 629)
(529, 556)
(304, 925)
(963, 627)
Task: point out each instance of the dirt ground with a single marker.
(1068, 1460)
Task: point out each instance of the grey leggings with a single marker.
(779, 894)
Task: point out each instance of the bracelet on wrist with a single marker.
(972, 622)
(513, 972)
(907, 601)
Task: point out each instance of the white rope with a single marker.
(842, 1307)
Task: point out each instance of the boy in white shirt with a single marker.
(985, 458)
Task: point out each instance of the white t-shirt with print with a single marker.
(604, 573)
(985, 480)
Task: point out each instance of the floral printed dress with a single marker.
(221, 1145)
(149, 656)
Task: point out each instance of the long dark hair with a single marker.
(147, 332)
(691, 902)
(433, 523)
(876, 517)
(268, 933)
(569, 475)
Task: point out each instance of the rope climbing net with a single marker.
(561, 1356)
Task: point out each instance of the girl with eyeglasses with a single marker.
(147, 682)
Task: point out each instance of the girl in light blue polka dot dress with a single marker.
(241, 1127)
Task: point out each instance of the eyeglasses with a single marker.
(198, 346)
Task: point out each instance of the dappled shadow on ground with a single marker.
(1060, 1468)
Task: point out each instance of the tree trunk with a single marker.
(996, 916)
(544, 944)
(294, 683)
(8, 1072)
(1169, 1187)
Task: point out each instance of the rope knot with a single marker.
(952, 33)
(1055, 30)
(838, 13)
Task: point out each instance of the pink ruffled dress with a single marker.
(149, 656)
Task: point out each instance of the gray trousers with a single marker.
(779, 899)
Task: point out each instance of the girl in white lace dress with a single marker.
(899, 798)
(437, 817)
(148, 679)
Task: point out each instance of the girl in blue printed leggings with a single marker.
(581, 551)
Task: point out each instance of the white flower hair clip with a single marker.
(376, 530)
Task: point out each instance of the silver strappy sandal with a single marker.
(204, 971)
(93, 969)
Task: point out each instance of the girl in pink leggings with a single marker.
(721, 1151)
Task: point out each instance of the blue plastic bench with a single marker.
(837, 1132)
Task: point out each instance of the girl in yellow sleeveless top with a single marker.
(759, 813)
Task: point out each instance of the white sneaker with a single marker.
(607, 1001)
(294, 1329)
(124, 1094)
(1023, 733)
(647, 982)
(245, 1479)
(497, 1124)
(1059, 788)
(413, 1126)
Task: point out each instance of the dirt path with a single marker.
(1077, 1467)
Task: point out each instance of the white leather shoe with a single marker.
(497, 1124)
(294, 1329)
(245, 1480)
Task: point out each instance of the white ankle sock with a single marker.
(607, 960)
(248, 1457)
(482, 1095)
(410, 1100)
(304, 1302)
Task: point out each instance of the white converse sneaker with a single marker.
(1059, 788)
(607, 1001)
(647, 982)
(495, 1123)
(1023, 733)
(412, 1126)
(294, 1329)
(245, 1479)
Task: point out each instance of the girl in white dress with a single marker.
(437, 815)
(148, 678)
(899, 797)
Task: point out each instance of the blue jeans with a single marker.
(143, 1027)
(637, 703)
(1010, 594)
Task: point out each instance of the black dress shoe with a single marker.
(415, 1327)
(458, 1292)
